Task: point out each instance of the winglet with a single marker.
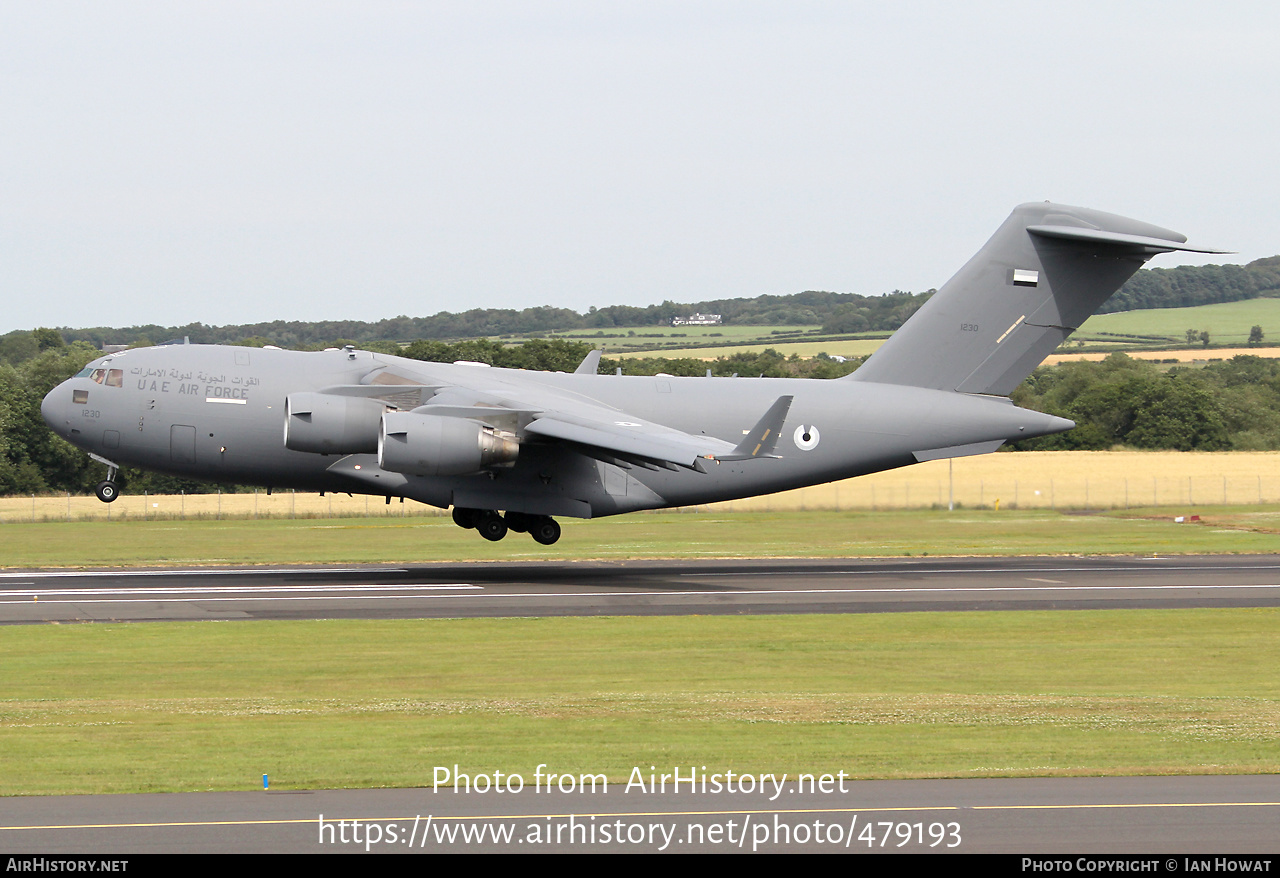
(590, 364)
(763, 437)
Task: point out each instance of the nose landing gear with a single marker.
(107, 490)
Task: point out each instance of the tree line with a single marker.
(837, 313)
(1191, 285)
(1230, 405)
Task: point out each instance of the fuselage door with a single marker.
(182, 444)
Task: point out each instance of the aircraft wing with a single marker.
(610, 434)
(547, 414)
(550, 415)
(644, 439)
(629, 437)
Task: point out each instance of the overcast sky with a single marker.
(230, 162)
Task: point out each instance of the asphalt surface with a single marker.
(640, 588)
(1161, 816)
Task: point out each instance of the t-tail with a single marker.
(1042, 274)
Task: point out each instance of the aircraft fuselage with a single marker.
(534, 445)
(217, 413)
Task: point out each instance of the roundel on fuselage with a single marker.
(806, 438)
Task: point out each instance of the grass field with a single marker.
(1184, 355)
(649, 340)
(93, 708)
(1038, 480)
(1227, 323)
(858, 347)
(195, 706)
(861, 347)
(693, 534)
(678, 334)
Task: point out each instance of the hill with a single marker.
(836, 313)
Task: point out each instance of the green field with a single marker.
(855, 347)
(642, 340)
(88, 708)
(650, 535)
(215, 705)
(680, 334)
(1228, 323)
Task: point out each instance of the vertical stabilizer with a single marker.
(1046, 270)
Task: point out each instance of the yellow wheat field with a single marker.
(1191, 355)
(1050, 479)
(1044, 479)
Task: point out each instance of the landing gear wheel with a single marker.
(491, 526)
(545, 530)
(464, 517)
(107, 491)
(518, 522)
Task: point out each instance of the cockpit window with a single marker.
(85, 372)
(109, 377)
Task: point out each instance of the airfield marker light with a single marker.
(264, 781)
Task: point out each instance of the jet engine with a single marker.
(432, 445)
(324, 423)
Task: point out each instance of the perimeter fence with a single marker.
(1029, 480)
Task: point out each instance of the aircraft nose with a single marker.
(54, 408)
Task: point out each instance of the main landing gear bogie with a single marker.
(493, 526)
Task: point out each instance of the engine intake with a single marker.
(432, 445)
(322, 423)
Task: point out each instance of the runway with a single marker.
(639, 588)
(1164, 816)
(1161, 816)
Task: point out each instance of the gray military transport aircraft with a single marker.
(509, 449)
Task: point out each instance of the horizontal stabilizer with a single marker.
(1141, 243)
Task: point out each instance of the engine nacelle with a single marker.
(431, 445)
(323, 423)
